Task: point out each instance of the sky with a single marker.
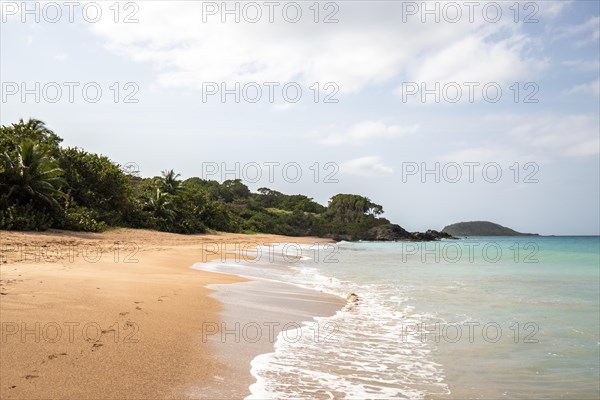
(439, 111)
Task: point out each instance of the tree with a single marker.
(300, 202)
(31, 174)
(220, 216)
(161, 210)
(169, 181)
(352, 207)
(352, 214)
(43, 185)
(189, 204)
(33, 130)
(95, 182)
(234, 189)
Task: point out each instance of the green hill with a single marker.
(481, 228)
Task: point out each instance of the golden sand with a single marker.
(109, 316)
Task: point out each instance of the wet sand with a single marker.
(254, 313)
(119, 315)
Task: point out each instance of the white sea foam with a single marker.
(370, 355)
(357, 353)
(360, 352)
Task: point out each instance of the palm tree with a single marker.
(169, 181)
(33, 129)
(160, 206)
(31, 174)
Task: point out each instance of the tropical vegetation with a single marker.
(44, 185)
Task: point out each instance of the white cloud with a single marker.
(531, 138)
(189, 52)
(282, 106)
(592, 88)
(366, 166)
(550, 9)
(583, 34)
(570, 135)
(366, 131)
(583, 65)
(490, 153)
(474, 58)
(369, 45)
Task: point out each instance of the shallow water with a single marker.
(474, 318)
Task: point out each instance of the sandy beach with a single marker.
(118, 314)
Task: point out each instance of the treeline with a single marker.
(43, 185)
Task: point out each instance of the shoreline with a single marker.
(253, 317)
(111, 315)
(255, 314)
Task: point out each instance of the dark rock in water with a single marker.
(340, 237)
(391, 233)
(430, 235)
(353, 298)
(388, 232)
(438, 234)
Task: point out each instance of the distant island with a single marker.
(481, 228)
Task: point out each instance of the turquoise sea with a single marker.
(475, 318)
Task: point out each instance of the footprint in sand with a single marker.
(138, 308)
(96, 346)
(55, 355)
(31, 376)
(122, 314)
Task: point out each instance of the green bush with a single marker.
(43, 185)
(23, 218)
(82, 219)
